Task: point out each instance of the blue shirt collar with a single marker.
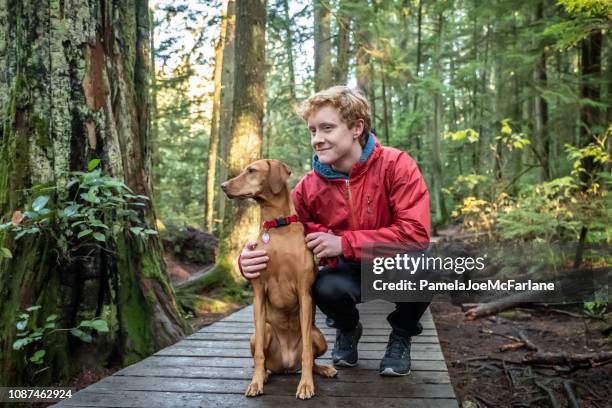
(327, 171)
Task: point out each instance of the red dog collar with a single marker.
(280, 222)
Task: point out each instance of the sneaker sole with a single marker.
(389, 372)
(344, 363)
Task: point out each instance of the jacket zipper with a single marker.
(350, 206)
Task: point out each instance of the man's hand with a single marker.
(252, 261)
(324, 245)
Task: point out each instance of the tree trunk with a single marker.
(322, 34)
(155, 151)
(415, 101)
(226, 111)
(213, 148)
(342, 44)
(289, 51)
(74, 82)
(438, 199)
(541, 107)
(591, 116)
(241, 221)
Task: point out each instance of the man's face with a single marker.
(330, 137)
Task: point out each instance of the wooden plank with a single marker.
(331, 338)
(376, 322)
(379, 346)
(186, 361)
(379, 324)
(278, 385)
(246, 373)
(229, 328)
(180, 350)
(160, 399)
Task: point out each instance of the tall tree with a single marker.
(343, 51)
(438, 199)
(75, 86)
(322, 39)
(541, 106)
(241, 218)
(227, 100)
(213, 149)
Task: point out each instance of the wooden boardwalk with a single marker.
(213, 367)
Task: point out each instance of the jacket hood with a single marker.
(326, 170)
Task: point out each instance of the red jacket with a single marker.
(383, 199)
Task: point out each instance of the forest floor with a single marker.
(480, 379)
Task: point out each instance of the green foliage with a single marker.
(98, 208)
(595, 308)
(31, 335)
(510, 139)
(594, 152)
(542, 212)
(590, 8)
(469, 135)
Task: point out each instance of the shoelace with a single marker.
(396, 346)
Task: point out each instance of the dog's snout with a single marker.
(224, 186)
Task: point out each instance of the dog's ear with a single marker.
(279, 174)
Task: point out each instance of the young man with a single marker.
(358, 192)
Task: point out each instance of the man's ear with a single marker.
(278, 176)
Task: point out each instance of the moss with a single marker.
(135, 313)
(219, 274)
(41, 127)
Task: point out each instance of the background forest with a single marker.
(120, 120)
(505, 105)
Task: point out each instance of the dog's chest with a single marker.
(281, 293)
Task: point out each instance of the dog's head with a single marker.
(260, 179)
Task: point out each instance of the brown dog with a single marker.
(286, 338)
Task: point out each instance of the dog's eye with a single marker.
(250, 170)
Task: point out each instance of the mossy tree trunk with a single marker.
(74, 83)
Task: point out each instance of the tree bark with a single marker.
(226, 108)
(213, 149)
(438, 199)
(289, 51)
(75, 86)
(322, 38)
(241, 219)
(591, 117)
(343, 22)
(415, 100)
(541, 107)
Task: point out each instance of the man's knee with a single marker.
(332, 289)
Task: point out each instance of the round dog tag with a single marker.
(265, 237)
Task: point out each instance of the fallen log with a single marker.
(523, 298)
(572, 360)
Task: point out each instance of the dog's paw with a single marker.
(305, 390)
(254, 389)
(326, 370)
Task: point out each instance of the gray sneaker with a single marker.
(345, 348)
(396, 361)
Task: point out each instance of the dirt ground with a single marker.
(480, 379)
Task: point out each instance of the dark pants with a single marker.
(337, 291)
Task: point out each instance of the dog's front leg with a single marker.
(259, 313)
(306, 387)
